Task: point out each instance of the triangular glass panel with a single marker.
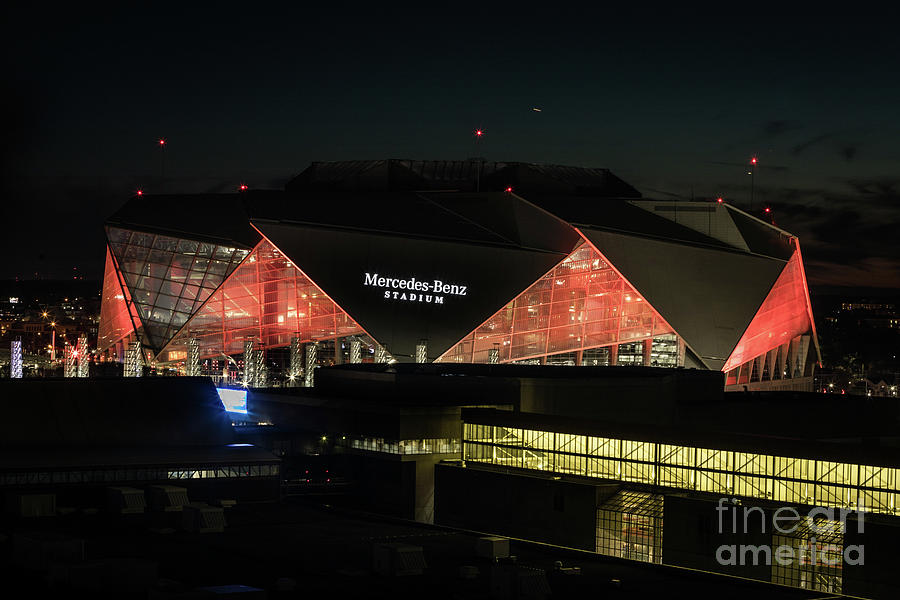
(293, 306)
(164, 273)
(581, 303)
(782, 316)
(115, 320)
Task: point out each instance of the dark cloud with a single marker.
(848, 151)
(777, 127)
(884, 190)
(813, 141)
(838, 226)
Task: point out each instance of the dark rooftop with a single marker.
(475, 174)
(114, 412)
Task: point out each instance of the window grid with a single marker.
(135, 474)
(169, 278)
(783, 479)
(817, 558)
(630, 525)
(422, 446)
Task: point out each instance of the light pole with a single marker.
(478, 133)
(162, 159)
(752, 171)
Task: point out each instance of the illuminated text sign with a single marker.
(412, 289)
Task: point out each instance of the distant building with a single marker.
(460, 262)
(867, 306)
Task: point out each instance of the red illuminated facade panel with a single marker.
(266, 299)
(115, 321)
(783, 315)
(582, 303)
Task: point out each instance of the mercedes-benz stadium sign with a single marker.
(413, 289)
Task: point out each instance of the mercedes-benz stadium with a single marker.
(456, 261)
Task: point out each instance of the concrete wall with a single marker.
(533, 508)
(692, 535)
(424, 492)
(385, 485)
(877, 576)
(639, 394)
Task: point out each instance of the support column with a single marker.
(579, 358)
(422, 351)
(355, 352)
(249, 364)
(494, 355)
(802, 351)
(312, 355)
(381, 354)
(648, 352)
(338, 351)
(15, 359)
(296, 369)
(71, 368)
(260, 373)
(133, 362)
(192, 366)
(613, 355)
(83, 356)
(770, 364)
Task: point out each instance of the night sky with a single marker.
(675, 103)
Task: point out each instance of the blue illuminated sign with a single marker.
(234, 401)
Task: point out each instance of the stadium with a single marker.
(460, 262)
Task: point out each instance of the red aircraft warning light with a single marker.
(243, 187)
(753, 161)
(140, 192)
(162, 142)
(768, 210)
(479, 133)
(720, 200)
(508, 189)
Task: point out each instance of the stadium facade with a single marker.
(459, 261)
